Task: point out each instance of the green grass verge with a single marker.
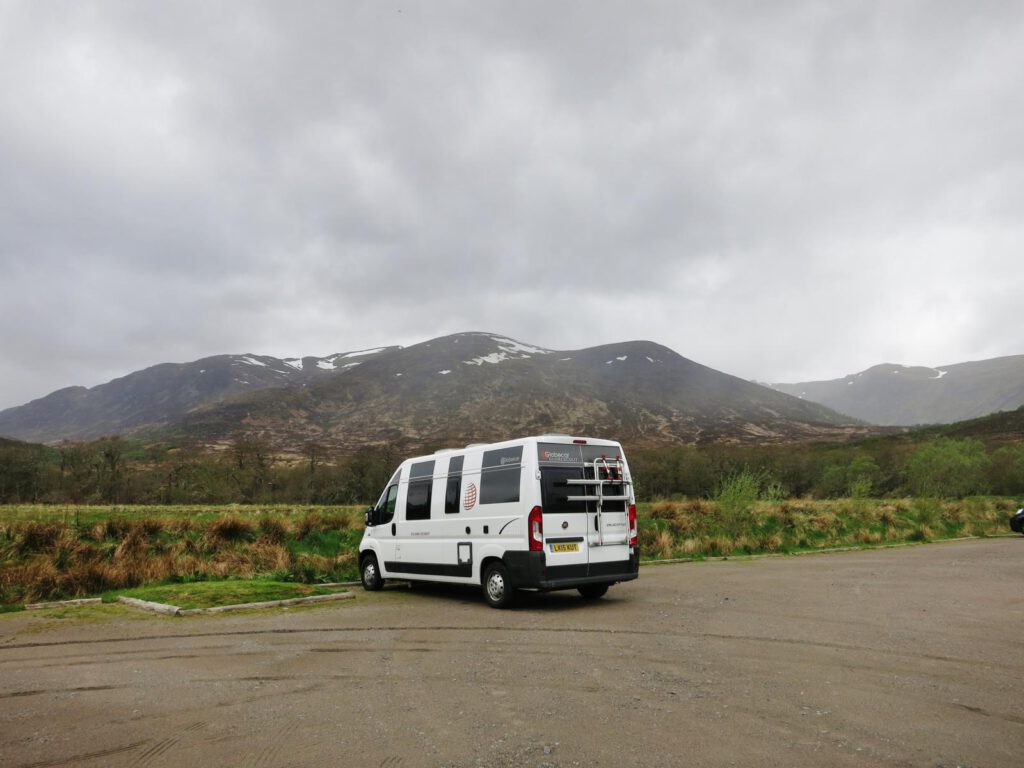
(210, 594)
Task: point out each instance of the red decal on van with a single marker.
(470, 501)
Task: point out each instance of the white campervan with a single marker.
(538, 513)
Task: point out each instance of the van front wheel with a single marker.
(498, 590)
(370, 573)
(593, 591)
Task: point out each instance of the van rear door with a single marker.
(608, 513)
(566, 544)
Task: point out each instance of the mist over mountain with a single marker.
(900, 395)
(460, 388)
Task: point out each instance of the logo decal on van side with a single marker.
(470, 501)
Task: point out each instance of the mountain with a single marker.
(164, 393)
(448, 391)
(476, 387)
(900, 395)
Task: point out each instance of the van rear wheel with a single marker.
(370, 574)
(498, 590)
(593, 591)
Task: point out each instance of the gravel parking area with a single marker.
(898, 657)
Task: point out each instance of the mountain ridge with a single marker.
(897, 395)
(478, 387)
(473, 386)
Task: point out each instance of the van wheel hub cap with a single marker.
(495, 586)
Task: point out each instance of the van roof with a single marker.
(530, 440)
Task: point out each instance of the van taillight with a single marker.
(632, 525)
(535, 526)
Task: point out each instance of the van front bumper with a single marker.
(529, 570)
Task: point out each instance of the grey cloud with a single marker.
(782, 191)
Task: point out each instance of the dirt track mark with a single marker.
(85, 756)
(352, 630)
(268, 756)
(270, 694)
(858, 649)
(986, 713)
(81, 689)
(155, 751)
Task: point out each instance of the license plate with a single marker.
(573, 547)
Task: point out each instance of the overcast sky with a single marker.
(782, 191)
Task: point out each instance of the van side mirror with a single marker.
(370, 516)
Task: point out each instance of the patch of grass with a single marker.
(705, 529)
(209, 594)
(51, 559)
(11, 607)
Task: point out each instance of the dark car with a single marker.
(1017, 521)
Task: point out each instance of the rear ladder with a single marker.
(606, 472)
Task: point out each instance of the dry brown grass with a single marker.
(664, 545)
(718, 546)
(231, 528)
(274, 529)
(867, 537)
(665, 510)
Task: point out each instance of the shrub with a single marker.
(736, 497)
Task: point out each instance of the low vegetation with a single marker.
(745, 524)
(49, 553)
(46, 553)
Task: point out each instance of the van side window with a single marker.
(499, 475)
(387, 503)
(453, 488)
(417, 499)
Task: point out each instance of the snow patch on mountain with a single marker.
(508, 349)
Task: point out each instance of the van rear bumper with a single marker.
(529, 570)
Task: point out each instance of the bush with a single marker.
(948, 468)
(736, 497)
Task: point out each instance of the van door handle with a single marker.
(392, 529)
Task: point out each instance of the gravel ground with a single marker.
(901, 657)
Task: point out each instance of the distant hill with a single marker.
(479, 387)
(461, 388)
(900, 395)
(163, 394)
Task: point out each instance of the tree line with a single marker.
(118, 471)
